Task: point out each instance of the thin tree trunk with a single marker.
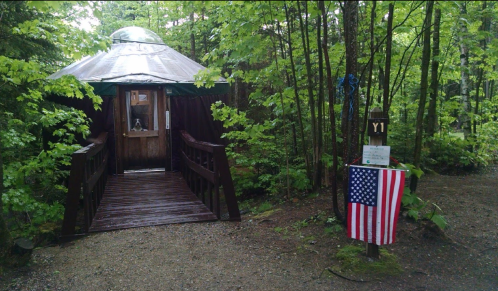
(426, 56)
(157, 15)
(148, 16)
(331, 90)
(431, 115)
(192, 36)
(284, 125)
(311, 98)
(381, 82)
(370, 72)
(483, 44)
(318, 159)
(350, 136)
(387, 78)
(487, 28)
(465, 82)
(289, 84)
(296, 93)
(204, 35)
(476, 108)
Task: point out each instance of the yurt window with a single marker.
(141, 108)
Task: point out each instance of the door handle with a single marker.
(125, 135)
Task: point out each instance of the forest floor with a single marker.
(290, 247)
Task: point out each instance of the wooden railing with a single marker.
(205, 168)
(87, 178)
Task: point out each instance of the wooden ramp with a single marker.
(147, 199)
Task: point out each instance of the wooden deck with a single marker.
(147, 199)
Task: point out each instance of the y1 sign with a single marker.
(377, 126)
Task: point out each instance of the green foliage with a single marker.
(298, 225)
(452, 151)
(410, 170)
(207, 77)
(415, 208)
(265, 206)
(256, 154)
(37, 136)
(334, 226)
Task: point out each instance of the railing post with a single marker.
(221, 161)
(73, 194)
(207, 163)
(88, 172)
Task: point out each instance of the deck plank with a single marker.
(148, 199)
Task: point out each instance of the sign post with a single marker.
(379, 126)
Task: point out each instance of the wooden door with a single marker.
(140, 126)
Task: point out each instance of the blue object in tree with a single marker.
(353, 83)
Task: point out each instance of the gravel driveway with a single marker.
(198, 256)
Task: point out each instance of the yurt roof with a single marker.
(139, 56)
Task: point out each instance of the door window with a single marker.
(141, 109)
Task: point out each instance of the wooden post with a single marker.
(373, 249)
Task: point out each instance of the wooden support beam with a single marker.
(373, 249)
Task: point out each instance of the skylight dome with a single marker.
(135, 34)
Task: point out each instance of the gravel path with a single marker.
(282, 249)
(199, 256)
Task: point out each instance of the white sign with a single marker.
(376, 155)
(167, 119)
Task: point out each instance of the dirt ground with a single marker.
(290, 247)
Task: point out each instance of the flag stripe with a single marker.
(363, 224)
(387, 194)
(380, 207)
(374, 224)
(400, 188)
(369, 224)
(350, 222)
(385, 199)
(394, 201)
(357, 220)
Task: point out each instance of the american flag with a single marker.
(373, 203)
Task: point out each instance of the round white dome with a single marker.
(135, 34)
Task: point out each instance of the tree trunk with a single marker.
(331, 90)
(311, 98)
(350, 136)
(204, 36)
(370, 73)
(464, 68)
(431, 114)
(483, 44)
(426, 56)
(476, 109)
(284, 123)
(381, 82)
(387, 71)
(289, 84)
(192, 36)
(296, 93)
(318, 157)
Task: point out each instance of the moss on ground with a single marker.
(353, 259)
(265, 214)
